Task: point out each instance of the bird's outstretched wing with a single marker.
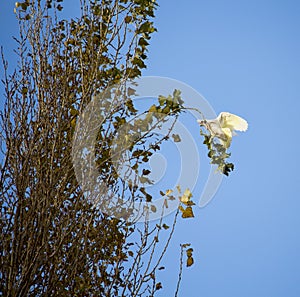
(232, 121)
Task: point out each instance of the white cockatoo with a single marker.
(223, 127)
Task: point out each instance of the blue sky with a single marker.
(243, 57)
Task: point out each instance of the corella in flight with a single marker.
(223, 127)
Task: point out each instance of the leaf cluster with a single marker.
(186, 206)
(189, 254)
(53, 240)
(132, 138)
(170, 105)
(217, 153)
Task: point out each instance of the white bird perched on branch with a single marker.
(223, 127)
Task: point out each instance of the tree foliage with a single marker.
(217, 153)
(54, 242)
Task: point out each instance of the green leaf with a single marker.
(130, 106)
(166, 110)
(210, 154)
(162, 100)
(143, 42)
(138, 62)
(177, 97)
(152, 108)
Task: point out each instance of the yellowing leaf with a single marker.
(168, 192)
(178, 189)
(73, 123)
(187, 213)
(189, 252)
(181, 208)
(185, 198)
(166, 203)
(188, 193)
(189, 261)
(184, 245)
(153, 208)
(176, 138)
